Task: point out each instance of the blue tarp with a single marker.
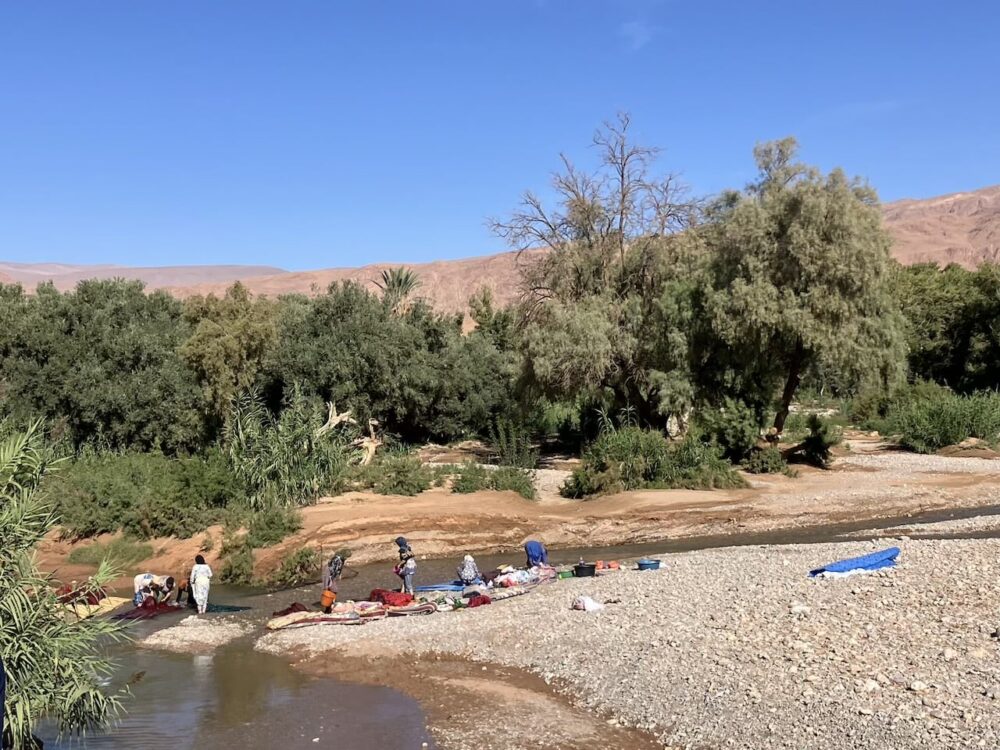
(450, 586)
(885, 558)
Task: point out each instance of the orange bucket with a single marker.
(328, 598)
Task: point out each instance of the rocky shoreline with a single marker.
(738, 647)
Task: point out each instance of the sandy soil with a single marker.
(868, 483)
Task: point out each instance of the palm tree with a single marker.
(397, 284)
(53, 663)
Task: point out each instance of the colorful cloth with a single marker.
(390, 598)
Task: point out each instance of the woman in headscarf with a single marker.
(200, 580)
(406, 566)
(468, 571)
(334, 569)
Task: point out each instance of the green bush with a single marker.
(512, 478)
(270, 526)
(512, 444)
(928, 424)
(145, 495)
(766, 461)
(815, 449)
(632, 458)
(735, 427)
(119, 552)
(471, 477)
(237, 562)
(282, 460)
(300, 568)
(396, 473)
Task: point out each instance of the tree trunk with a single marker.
(791, 385)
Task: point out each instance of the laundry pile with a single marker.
(502, 583)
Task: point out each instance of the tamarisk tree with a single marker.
(800, 271)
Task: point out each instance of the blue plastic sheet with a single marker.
(885, 558)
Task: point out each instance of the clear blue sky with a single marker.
(318, 133)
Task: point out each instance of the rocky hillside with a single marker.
(961, 228)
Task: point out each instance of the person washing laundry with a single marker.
(406, 567)
(536, 554)
(468, 571)
(331, 574)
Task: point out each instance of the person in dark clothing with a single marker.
(406, 566)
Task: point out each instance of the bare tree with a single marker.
(598, 218)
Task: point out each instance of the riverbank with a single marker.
(866, 485)
(738, 644)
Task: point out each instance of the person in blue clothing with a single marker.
(537, 554)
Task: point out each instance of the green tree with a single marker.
(799, 271)
(53, 662)
(103, 359)
(608, 307)
(230, 339)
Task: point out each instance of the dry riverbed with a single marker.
(733, 647)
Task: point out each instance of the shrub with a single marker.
(270, 526)
(119, 552)
(301, 567)
(237, 562)
(633, 458)
(471, 477)
(513, 445)
(143, 494)
(285, 461)
(815, 449)
(766, 461)
(512, 478)
(396, 473)
(930, 423)
(735, 428)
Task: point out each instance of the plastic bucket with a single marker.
(328, 598)
(648, 564)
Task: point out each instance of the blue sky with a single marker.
(309, 134)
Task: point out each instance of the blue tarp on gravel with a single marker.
(885, 558)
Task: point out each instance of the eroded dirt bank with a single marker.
(868, 484)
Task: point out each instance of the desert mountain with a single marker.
(961, 228)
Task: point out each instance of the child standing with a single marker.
(406, 566)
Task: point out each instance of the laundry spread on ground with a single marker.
(885, 558)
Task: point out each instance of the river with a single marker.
(241, 698)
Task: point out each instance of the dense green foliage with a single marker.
(396, 473)
(816, 447)
(633, 458)
(473, 477)
(765, 460)
(682, 315)
(930, 423)
(53, 663)
(283, 460)
(144, 494)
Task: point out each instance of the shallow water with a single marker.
(240, 698)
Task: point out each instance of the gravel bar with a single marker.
(737, 647)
